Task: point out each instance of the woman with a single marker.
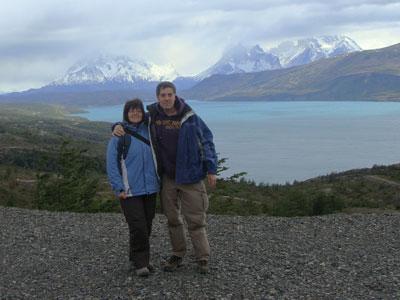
(132, 174)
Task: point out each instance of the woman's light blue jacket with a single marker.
(138, 175)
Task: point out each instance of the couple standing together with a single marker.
(170, 145)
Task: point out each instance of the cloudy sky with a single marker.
(41, 39)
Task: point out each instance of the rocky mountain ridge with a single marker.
(108, 72)
(358, 75)
(372, 75)
(240, 59)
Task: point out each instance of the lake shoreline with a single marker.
(279, 142)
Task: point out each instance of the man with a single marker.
(185, 154)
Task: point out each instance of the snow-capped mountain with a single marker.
(308, 50)
(122, 72)
(240, 59)
(236, 59)
(115, 72)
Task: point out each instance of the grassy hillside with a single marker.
(30, 131)
(372, 75)
(370, 189)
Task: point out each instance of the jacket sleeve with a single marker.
(210, 158)
(113, 125)
(112, 167)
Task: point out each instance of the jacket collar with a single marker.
(183, 108)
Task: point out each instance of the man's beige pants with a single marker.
(190, 199)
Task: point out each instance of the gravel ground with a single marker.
(50, 255)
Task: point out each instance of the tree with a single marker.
(221, 168)
(73, 185)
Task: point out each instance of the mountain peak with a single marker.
(109, 70)
(241, 59)
(304, 51)
(256, 49)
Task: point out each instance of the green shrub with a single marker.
(296, 203)
(324, 204)
(72, 187)
(7, 198)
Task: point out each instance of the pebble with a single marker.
(61, 255)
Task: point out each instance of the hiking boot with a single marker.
(202, 267)
(151, 268)
(173, 263)
(143, 272)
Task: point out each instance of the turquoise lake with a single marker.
(279, 142)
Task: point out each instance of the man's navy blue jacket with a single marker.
(196, 156)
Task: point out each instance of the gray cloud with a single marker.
(51, 34)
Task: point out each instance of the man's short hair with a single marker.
(164, 85)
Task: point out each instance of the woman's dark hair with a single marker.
(134, 103)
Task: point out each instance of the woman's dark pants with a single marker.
(139, 214)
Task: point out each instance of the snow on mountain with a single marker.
(122, 72)
(239, 59)
(108, 70)
(308, 50)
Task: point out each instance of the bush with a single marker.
(7, 198)
(324, 204)
(298, 203)
(294, 204)
(72, 187)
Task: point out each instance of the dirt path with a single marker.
(383, 180)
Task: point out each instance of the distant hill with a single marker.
(372, 75)
(75, 98)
